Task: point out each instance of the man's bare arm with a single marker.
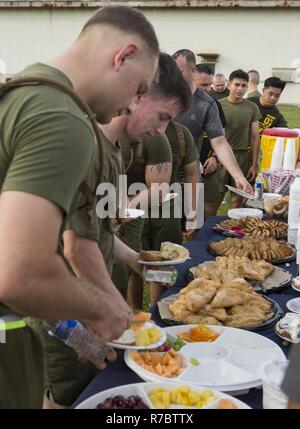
(191, 175)
(34, 279)
(154, 175)
(127, 255)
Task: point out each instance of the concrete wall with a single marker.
(244, 38)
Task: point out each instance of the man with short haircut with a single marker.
(147, 160)
(203, 117)
(254, 80)
(150, 114)
(219, 87)
(241, 132)
(48, 144)
(270, 115)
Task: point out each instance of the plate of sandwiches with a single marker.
(254, 227)
(169, 254)
(269, 249)
(261, 275)
(234, 304)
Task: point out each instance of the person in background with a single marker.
(270, 115)
(241, 132)
(148, 158)
(219, 87)
(254, 80)
(203, 117)
(203, 80)
(291, 381)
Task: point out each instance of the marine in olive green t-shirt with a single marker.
(46, 147)
(239, 117)
(184, 152)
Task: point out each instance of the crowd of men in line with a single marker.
(112, 104)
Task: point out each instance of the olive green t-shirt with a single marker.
(46, 143)
(155, 150)
(181, 156)
(80, 221)
(239, 117)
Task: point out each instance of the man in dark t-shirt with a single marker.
(270, 115)
(203, 79)
(219, 87)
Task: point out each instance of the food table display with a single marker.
(118, 373)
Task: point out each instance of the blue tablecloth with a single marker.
(118, 373)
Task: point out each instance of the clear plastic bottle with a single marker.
(259, 187)
(81, 339)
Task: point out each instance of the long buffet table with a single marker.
(118, 373)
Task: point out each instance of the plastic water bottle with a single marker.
(259, 187)
(80, 338)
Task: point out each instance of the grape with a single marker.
(119, 402)
(141, 406)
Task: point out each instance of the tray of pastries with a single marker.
(269, 249)
(261, 275)
(233, 304)
(253, 226)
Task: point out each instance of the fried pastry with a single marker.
(218, 313)
(196, 318)
(227, 297)
(199, 284)
(245, 320)
(197, 298)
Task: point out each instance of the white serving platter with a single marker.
(230, 363)
(143, 390)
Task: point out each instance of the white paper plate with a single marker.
(162, 263)
(297, 289)
(144, 389)
(133, 213)
(237, 213)
(294, 305)
(122, 346)
(241, 193)
(230, 363)
(170, 196)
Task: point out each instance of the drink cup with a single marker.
(277, 154)
(289, 159)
